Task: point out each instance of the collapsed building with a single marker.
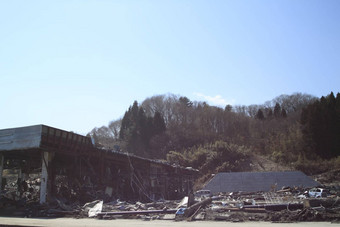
(68, 164)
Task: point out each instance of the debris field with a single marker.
(284, 205)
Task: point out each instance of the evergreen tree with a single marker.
(185, 101)
(158, 124)
(320, 127)
(228, 108)
(137, 130)
(126, 125)
(270, 113)
(277, 110)
(259, 115)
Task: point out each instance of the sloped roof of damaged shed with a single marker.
(258, 181)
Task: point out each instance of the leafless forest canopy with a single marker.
(298, 130)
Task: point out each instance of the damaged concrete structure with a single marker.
(69, 165)
(258, 181)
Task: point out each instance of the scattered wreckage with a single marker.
(283, 205)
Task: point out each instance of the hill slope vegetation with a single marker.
(298, 131)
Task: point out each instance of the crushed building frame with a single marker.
(59, 154)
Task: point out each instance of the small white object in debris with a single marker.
(203, 193)
(183, 203)
(96, 209)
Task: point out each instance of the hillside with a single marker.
(295, 131)
(263, 164)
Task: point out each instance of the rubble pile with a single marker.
(286, 205)
(283, 206)
(308, 214)
(20, 197)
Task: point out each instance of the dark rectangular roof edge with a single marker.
(285, 171)
(28, 126)
(105, 150)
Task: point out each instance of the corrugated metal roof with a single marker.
(257, 181)
(20, 138)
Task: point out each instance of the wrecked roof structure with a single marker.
(258, 181)
(57, 155)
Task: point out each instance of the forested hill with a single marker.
(296, 130)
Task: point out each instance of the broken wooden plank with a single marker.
(192, 217)
(172, 211)
(248, 210)
(191, 210)
(277, 207)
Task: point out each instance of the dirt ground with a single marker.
(65, 222)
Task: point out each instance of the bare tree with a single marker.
(114, 126)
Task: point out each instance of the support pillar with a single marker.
(44, 177)
(1, 169)
(102, 169)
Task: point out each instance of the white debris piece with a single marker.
(96, 209)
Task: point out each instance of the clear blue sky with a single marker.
(78, 64)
